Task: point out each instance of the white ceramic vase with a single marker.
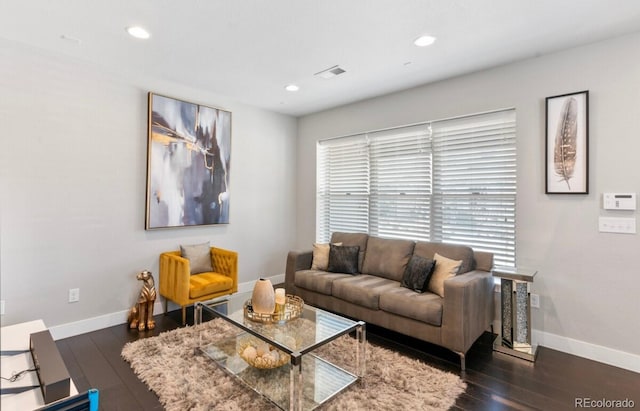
(263, 298)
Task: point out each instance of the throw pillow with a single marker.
(445, 268)
(321, 256)
(199, 256)
(418, 273)
(343, 259)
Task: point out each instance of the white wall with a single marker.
(73, 180)
(588, 281)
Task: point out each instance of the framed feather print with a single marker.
(567, 144)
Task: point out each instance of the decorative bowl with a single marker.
(261, 355)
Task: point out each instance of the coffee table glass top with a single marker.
(313, 328)
(321, 380)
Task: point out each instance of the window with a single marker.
(452, 181)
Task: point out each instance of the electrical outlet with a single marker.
(74, 295)
(1, 307)
(535, 301)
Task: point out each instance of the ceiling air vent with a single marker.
(330, 72)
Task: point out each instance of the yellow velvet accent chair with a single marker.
(183, 288)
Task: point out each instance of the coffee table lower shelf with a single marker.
(321, 380)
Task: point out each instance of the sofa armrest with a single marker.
(225, 262)
(296, 260)
(174, 277)
(467, 310)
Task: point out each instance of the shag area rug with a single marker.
(186, 379)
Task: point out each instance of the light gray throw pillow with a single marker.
(199, 256)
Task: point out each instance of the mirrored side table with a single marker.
(515, 333)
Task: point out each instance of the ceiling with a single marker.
(249, 50)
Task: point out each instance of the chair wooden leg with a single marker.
(184, 315)
(166, 306)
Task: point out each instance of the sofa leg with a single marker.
(462, 362)
(166, 306)
(184, 315)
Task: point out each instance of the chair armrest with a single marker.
(468, 309)
(296, 260)
(225, 262)
(174, 277)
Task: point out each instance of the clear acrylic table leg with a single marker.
(197, 319)
(296, 383)
(197, 313)
(361, 350)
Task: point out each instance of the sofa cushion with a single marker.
(425, 307)
(445, 268)
(418, 273)
(387, 258)
(453, 251)
(208, 283)
(343, 259)
(318, 281)
(351, 239)
(362, 289)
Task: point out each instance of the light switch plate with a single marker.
(617, 225)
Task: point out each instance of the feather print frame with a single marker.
(567, 143)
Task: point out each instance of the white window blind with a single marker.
(452, 181)
(474, 194)
(343, 186)
(400, 183)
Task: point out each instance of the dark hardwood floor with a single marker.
(495, 381)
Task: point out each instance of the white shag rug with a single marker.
(186, 379)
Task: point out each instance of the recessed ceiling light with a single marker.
(292, 87)
(424, 41)
(138, 32)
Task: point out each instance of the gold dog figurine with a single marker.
(141, 314)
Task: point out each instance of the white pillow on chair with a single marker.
(199, 256)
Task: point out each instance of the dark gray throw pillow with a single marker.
(343, 259)
(418, 273)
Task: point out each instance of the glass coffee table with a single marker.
(305, 381)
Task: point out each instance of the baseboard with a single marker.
(583, 349)
(61, 331)
(109, 320)
(587, 350)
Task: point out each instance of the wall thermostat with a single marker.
(619, 201)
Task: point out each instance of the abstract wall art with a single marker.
(567, 144)
(188, 164)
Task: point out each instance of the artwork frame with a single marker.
(188, 164)
(567, 143)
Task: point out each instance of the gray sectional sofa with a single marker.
(375, 294)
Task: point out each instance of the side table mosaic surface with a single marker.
(515, 306)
